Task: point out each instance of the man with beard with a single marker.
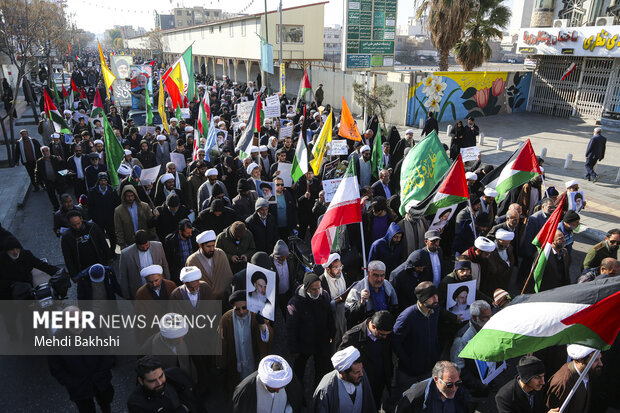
(46, 175)
(488, 204)
(561, 383)
(461, 273)
(416, 338)
(152, 297)
(346, 388)
(558, 265)
(569, 224)
(388, 249)
(363, 166)
(213, 265)
(523, 394)
(479, 255)
(263, 226)
(206, 189)
(332, 281)
(466, 238)
(500, 264)
(167, 188)
(130, 216)
(167, 390)
(244, 202)
(480, 312)
(534, 224)
(608, 248)
(513, 225)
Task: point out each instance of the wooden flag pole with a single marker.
(532, 270)
(582, 376)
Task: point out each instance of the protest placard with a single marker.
(285, 173)
(179, 160)
(330, 186)
(149, 175)
(286, 132)
(470, 154)
(272, 111)
(338, 147)
(244, 109)
(272, 100)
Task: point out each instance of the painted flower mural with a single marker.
(482, 97)
(498, 86)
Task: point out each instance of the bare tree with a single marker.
(378, 100)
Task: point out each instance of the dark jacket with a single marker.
(534, 224)
(421, 396)
(40, 173)
(17, 154)
(304, 205)
(84, 247)
(60, 218)
(383, 249)
(310, 324)
(291, 209)
(101, 206)
(84, 285)
(167, 223)
(172, 250)
(71, 165)
(82, 374)
(512, 399)
(596, 148)
(405, 279)
(416, 341)
(265, 235)
(20, 270)
(207, 220)
(147, 159)
(176, 394)
(556, 271)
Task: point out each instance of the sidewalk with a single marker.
(560, 137)
(16, 183)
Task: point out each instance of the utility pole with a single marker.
(266, 41)
(280, 54)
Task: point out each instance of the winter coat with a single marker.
(310, 323)
(384, 251)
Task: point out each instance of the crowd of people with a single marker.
(379, 337)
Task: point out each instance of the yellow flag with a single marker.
(318, 151)
(161, 106)
(348, 128)
(108, 76)
(177, 78)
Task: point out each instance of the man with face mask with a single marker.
(500, 264)
(213, 265)
(310, 327)
(608, 248)
(557, 269)
(480, 312)
(161, 389)
(416, 338)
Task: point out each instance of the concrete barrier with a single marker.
(421, 123)
(568, 161)
(500, 143)
(448, 130)
(481, 138)
(618, 177)
(543, 153)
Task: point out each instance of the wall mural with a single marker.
(456, 95)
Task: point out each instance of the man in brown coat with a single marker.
(213, 265)
(562, 382)
(130, 216)
(152, 297)
(247, 338)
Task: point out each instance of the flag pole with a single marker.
(545, 185)
(532, 269)
(473, 219)
(364, 267)
(579, 380)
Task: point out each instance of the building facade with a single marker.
(332, 43)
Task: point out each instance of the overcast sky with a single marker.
(97, 16)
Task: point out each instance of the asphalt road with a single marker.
(26, 383)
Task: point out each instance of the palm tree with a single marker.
(485, 24)
(446, 20)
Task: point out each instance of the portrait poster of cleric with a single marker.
(576, 200)
(442, 217)
(141, 80)
(260, 291)
(460, 297)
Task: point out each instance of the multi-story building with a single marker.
(164, 21)
(191, 16)
(332, 43)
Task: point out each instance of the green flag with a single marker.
(376, 160)
(423, 167)
(149, 107)
(113, 152)
(178, 113)
(55, 91)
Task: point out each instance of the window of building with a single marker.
(189, 13)
(573, 11)
(180, 23)
(207, 14)
(216, 14)
(179, 13)
(211, 29)
(219, 28)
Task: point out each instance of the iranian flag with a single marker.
(344, 209)
(60, 125)
(300, 160)
(517, 170)
(304, 87)
(543, 242)
(585, 314)
(259, 115)
(204, 114)
(450, 190)
(97, 105)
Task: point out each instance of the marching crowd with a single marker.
(378, 338)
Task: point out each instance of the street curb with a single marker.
(24, 193)
(593, 234)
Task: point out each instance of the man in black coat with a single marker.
(77, 164)
(263, 226)
(594, 153)
(96, 281)
(178, 247)
(166, 217)
(523, 394)
(471, 132)
(27, 151)
(102, 200)
(217, 217)
(372, 338)
(288, 221)
(430, 125)
(307, 190)
(46, 175)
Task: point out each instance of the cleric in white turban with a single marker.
(273, 388)
(346, 388)
(213, 265)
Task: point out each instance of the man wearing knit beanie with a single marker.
(285, 273)
(523, 394)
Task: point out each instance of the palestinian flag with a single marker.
(65, 94)
(300, 160)
(344, 209)
(543, 242)
(450, 190)
(585, 314)
(376, 159)
(304, 87)
(97, 110)
(55, 91)
(517, 170)
(247, 139)
(60, 125)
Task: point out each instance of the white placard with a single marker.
(244, 109)
(286, 132)
(260, 294)
(459, 297)
(285, 173)
(148, 176)
(185, 113)
(179, 160)
(273, 100)
(338, 147)
(272, 111)
(144, 129)
(330, 186)
(470, 154)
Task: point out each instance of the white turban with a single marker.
(189, 274)
(173, 120)
(56, 135)
(503, 235)
(276, 379)
(345, 358)
(263, 148)
(167, 177)
(127, 152)
(332, 257)
(490, 192)
(364, 148)
(484, 244)
(205, 236)
(124, 169)
(251, 167)
(408, 131)
(161, 137)
(66, 112)
(242, 125)
(571, 183)
(254, 149)
(577, 351)
(96, 142)
(189, 129)
(150, 270)
(211, 171)
(470, 176)
(173, 325)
